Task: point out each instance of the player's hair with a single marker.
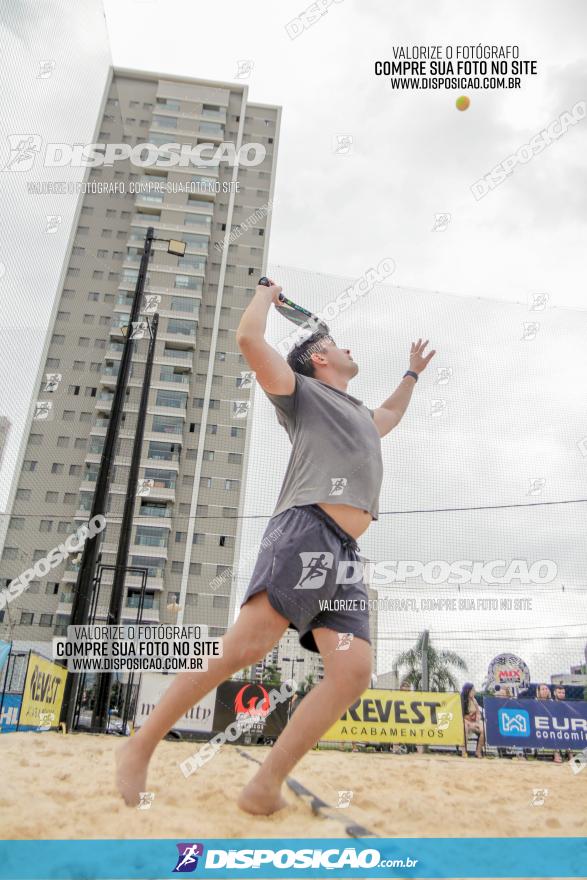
(300, 357)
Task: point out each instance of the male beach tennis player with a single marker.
(329, 497)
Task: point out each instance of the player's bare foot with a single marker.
(131, 772)
(258, 799)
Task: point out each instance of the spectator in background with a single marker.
(559, 694)
(543, 692)
(472, 719)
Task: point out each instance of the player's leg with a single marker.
(346, 675)
(257, 629)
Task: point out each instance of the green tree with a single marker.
(307, 685)
(271, 675)
(440, 674)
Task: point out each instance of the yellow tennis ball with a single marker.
(462, 102)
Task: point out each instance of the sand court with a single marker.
(60, 787)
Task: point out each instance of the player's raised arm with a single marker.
(391, 411)
(273, 373)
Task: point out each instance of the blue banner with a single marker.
(537, 724)
(294, 857)
(10, 712)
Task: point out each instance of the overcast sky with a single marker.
(412, 156)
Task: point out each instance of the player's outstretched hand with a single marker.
(419, 361)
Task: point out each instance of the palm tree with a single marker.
(271, 675)
(306, 686)
(440, 675)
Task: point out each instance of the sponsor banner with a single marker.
(545, 724)
(249, 701)
(198, 719)
(295, 857)
(43, 693)
(410, 717)
(507, 674)
(10, 711)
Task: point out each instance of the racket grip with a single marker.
(266, 283)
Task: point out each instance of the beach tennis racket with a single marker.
(297, 314)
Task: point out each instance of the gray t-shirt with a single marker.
(336, 448)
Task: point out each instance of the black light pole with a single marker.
(82, 596)
(102, 702)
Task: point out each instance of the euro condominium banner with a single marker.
(545, 724)
(43, 693)
(414, 717)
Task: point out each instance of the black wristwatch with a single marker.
(410, 373)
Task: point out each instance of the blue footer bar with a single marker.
(534, 857)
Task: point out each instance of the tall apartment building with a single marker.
(195, 446)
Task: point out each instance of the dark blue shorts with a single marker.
(305, 558)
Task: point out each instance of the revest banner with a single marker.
(542, 724)
(198, 719)
(410, 717)
(43, 693)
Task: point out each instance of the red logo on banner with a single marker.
(256, 701)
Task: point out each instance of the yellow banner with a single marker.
(43, 693)
(410, 717)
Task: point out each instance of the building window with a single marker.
(231, 485)
(10, 553)
(23, 494)
(29, 465)
(195, 568)
(46, 620)
(46, 525)
(63, 441)
(17, 522)
(26, 618)
(167, 425)
(151, 536)
(176, 399)
(56, 468)
(51, 497)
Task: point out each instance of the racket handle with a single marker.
(266, 283)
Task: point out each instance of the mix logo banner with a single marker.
(198, 719)
(546, 724)
(410, 717)
(507, 673)
(43, 693)
(248, 700)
